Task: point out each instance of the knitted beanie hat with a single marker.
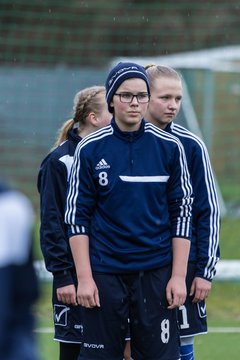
(121, 72)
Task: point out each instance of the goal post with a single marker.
(192, 124)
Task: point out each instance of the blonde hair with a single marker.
(157, 71)
(88, 100)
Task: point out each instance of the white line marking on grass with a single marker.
(225, 330)
(226, 270)
(46, 330)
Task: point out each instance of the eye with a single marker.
(142, 96)
(126, 96)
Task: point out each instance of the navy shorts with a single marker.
(67, 321)
(141, 297)
(192, 317)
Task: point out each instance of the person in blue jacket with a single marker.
(18, 281)
(166, 97)
(129, 221)
(90, 113)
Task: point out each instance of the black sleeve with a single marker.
(52, 185)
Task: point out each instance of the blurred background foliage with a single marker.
(91, 32)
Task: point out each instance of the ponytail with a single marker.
(63, 132)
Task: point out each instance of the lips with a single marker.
(133, 113)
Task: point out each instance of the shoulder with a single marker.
(149, 127)
(54, 158)
(66, 148)
(95, 137)
(162, 135)
(185, 135)
(54, 167)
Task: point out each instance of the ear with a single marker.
(111, 105)
(92, 119)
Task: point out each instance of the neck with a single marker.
(86, 131)
(128, 127)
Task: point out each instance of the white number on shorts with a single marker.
(185, 324)
(103, 180)
(165, 331)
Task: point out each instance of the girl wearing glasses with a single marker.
(129, 216)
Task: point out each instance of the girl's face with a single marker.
(128, 116)
(165, 101)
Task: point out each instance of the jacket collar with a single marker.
(169, 127)
(128, 135)
(73, 135)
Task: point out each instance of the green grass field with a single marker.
(223, 307)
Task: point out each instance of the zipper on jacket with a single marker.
(131, 140)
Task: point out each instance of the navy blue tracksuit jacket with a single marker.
(131, 193)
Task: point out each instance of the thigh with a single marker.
(154, 328)
(69, 351)
(105, 327)
(67, 321)
(192, 317)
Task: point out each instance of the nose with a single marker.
(134, 100)
(172, 104)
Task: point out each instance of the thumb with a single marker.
(192, 289)
(169, 296)
(96, 298)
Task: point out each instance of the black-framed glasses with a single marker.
(127, 97)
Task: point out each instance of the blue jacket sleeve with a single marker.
(206, 214)
(52, 185)
(81, 185)
(180, 196)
